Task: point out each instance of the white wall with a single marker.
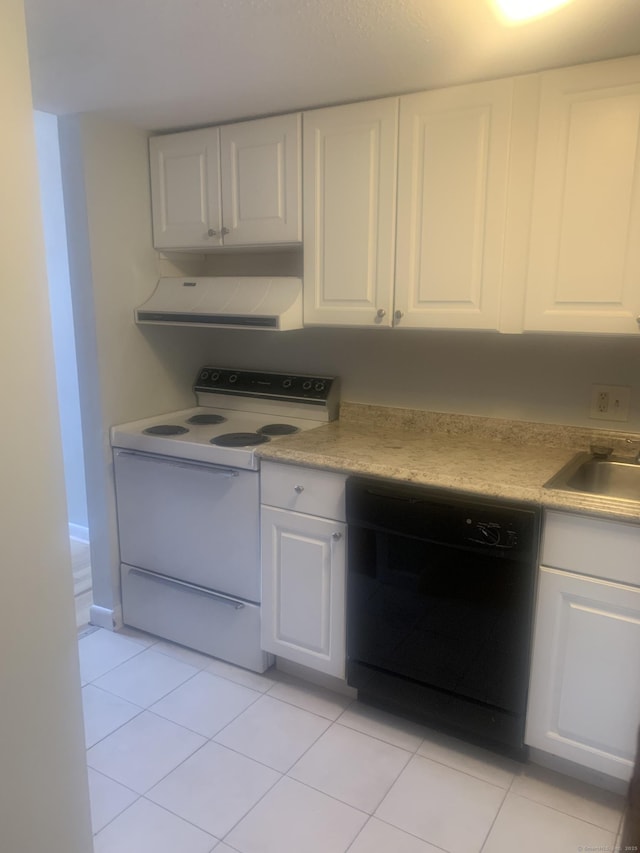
(55, 235)
(527, 377)
(43, 782)
(123, 375)
(545, 378)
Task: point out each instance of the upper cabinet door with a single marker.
(584, 268)
(185, 189)
(452, 197)
(261, 181)
(350, 156)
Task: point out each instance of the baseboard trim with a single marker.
(576, 771)
(104, 617)
(321, 679)
(77, 531)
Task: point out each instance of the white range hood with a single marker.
(239, 302)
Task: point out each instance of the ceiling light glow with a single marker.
(519, 11)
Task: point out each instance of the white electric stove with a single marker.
(187, 490)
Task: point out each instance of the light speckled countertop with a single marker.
(484, 456)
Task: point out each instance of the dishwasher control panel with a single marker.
(492, 533)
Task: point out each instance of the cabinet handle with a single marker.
(212, 233)
(298, 489)
(399, 314)
(224, 230)
(380, 313)
(337, 536)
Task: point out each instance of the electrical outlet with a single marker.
(610, 402)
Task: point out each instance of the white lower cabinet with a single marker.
(304, 568)
(584, 697)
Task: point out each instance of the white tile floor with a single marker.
(190, 754)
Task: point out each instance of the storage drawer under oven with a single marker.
(216, 625)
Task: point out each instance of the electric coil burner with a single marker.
(278, 429)
(166, 429)
(239, 439)
(188, 500)
(206, 420)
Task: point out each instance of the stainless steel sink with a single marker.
(612, 477)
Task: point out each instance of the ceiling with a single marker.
(170, 64)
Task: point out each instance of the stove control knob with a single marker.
(287, 383)
(204, 375)
(233, 378)
(306, 386)
(298, 489)
(215, 376)
(319, 386)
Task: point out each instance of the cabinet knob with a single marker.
(212, 233)
(380, 313)
(224, 230)
(336, 536)
(298, 489)
(398, 314)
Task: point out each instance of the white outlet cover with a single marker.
(618, 402)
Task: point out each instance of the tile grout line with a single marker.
(138, 797)
(495, 818)
(466, 773)
(308, 785)
(560, 811)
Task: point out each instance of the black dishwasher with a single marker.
(439, 607)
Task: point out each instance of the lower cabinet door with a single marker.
(584, 696)
(303, 589)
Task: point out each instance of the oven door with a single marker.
(190, 521)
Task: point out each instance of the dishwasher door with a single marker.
(439, 603)
(189, 521)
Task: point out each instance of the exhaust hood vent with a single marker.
(247, 302)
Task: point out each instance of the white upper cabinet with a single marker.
(349, 213)
(261, 181)
(452, 164)
(185, 189)
(452, 200)
(238, 185)
(584, 262)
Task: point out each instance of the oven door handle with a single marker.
(173, 463)
(229, 600)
